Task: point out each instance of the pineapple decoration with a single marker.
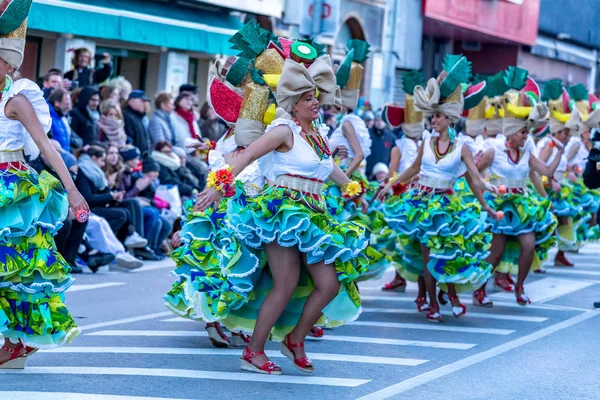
(494, 112)
(413, 120)
(13, 27)
(515, 101)
(350, 73)
(457, 71)
(586, 104)
(561, 114)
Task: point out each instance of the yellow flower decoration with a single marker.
(352, 188)
(211, 180)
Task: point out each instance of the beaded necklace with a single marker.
(7, 85)
(514, 161)
(437, 151)
(318, 144)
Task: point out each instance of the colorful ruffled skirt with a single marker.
(523, 213)
(33, 275)
(589, 202)
(566, 205)
(229, 276)
(453, 231)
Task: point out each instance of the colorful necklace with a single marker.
(514, 161)
(437, 151)
(7, 85)
(318, 144)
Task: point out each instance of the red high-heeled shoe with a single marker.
(480, 299)
(560, 260)
(17, 358)
(434, 314)
(460, 310)
(216, 335)
(316, 332)
(422, 304)
(522, 298)
(503, 284)
(397, 285)
(287, 349)
(269, 368)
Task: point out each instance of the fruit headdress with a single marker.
(13, 27)
(521, 110)
(494, 112)
(475, 106)
(562, 115)
(587, 105)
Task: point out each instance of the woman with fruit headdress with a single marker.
(407, 257)
(577, 151)
(450, 233)
(33, 275)
(524, 217)
(312, 259)
(563, 124)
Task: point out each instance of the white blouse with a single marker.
(562, 167)
(13, 135)
(448, 169)
(580, 158)
(216, 160)
(362, 133)
(503, 167)
(300, 160)
(409, 150)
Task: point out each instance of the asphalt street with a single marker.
(132, 347)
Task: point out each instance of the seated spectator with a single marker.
(134, 114)
(93, 185)
(111, 124)
(161, 127)
(212, 126)
(101, 237)
(52, 81)
(70, 236)
(85, 114)
(171, 172)
(82, 74)
(60, 106)
(109, 92)
(135, 184)
(185, 124)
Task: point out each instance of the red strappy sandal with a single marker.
(396, 285)
(216, 335)
(239, 339)
(422, 304)
(460, 310)
(522, 298)
(480, 299)
(503, 284)
(287, 349)
(17, 358)
(316, 332)
(434, 314)
(268, 368)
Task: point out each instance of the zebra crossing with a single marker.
(388, 350)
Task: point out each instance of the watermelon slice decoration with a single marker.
(393, 116)
(286, 45)
(475, 94)
(566, 100)
(224, 101)
(532, 92)
(279, 50)
(593, 100)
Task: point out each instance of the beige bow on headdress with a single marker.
(428, 101)
(536, 117)
(296, 80)
(574, 122)
(593, 119)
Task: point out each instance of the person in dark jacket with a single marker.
(85, 115)
(82, 75)
(134, 115)
(591, 174)
(171, 172)
(382, 143)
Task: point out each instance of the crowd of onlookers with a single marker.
(130, 159)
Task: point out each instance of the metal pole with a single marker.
(317, 19)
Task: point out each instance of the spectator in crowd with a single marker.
(161, 128)
(185, 124)
(70, 236)
(195, 161)
(82, 74)
(212, 126)
(52, 81)
(382, 142)
(60, 106)
(380, 172)
(92, 182)
(111, 125)
(369, 119)
(135, 184)
(109, 92)
(330, 121)
(124, 87)
(134, 114)
(85, 114)
(171, 171)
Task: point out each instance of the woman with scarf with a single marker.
(172, 171)
(312, 259)
(526, 229)
(449, 231)
(111, 124)
(184, 120)
(33, 275)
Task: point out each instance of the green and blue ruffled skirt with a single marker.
(33, 275)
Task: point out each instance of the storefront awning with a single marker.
(138, 21)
